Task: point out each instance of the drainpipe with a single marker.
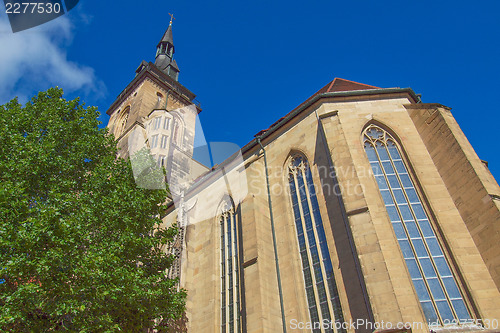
(274, 236)
(345, 219)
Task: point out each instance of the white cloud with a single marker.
(35, 59)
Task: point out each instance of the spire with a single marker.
(165, 53)
(167, 36)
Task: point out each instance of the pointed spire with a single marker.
(165, 53)
(167, 36)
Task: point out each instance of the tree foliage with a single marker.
(80, 243)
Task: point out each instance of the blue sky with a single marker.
(251, 62)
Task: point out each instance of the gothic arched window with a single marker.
(122, 121)
(434, 282)
(320, 286)
(230, 269)
(178, 132)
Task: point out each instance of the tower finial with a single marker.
(165, 50)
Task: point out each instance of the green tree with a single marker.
(80, 243)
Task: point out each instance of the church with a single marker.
(362, 209)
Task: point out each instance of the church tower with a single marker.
(156, 87)
(158, 113)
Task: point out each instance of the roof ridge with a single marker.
(331, 84)
(350, 81)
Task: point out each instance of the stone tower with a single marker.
(156, 112)
(165, 111)
(155, 88)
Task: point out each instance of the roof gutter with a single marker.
(264, 134)
(313, 100)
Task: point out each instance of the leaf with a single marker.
(72, 226)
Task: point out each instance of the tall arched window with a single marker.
(230, 270)
(122, 122)
(178, 131)
(320, 286)
(436, 286)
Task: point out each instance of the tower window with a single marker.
(166, 123)
(159, 100)
(122, 121)
(156, 123)
(320, 286)
(178, 132)
(430, 272)
(230, 270)
(162, 161)
(164, 140)
(154, 141)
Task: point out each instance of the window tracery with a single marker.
(434, 282)
(122, 122)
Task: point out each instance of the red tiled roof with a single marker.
(337, 85)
